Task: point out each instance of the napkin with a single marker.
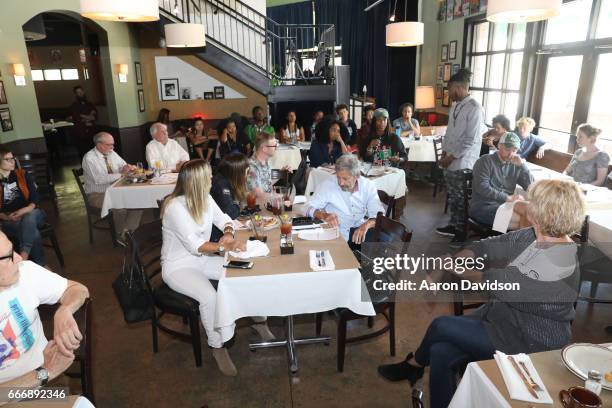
(314, 262)
(299, 199)
(319, 234)
(516, 387)
(254, 249)
(503, 215)
(168, 178)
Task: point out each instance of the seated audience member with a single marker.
(229, 186)
(316, 118)
(102, 166)
(292, 132)
(200, 141)
(366, 123)
(20, 216)
(346, 201)
(229, 140)
(328, 145)
(27, 358)
(188, 256)
(529, 141)
(343, 116)
(164, 153)
(589, 164)
(501, 125)
(164, 117)
(381, 138)
(259, 181)
(537, 317)
(259, 125)
(495, 177)
(406, 124)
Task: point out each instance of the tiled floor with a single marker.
(128, 374)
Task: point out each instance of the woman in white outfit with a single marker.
(189, 259)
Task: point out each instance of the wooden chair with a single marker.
(389, 201)
(384, 306)
(37, 165)
(144, 244)
(595, 266)
(83, 355)
(93, 212)
(470, 224)
(436, 170)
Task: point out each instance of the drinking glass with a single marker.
(251, 201)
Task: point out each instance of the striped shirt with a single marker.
(97, 177)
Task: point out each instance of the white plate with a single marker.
(579, 358)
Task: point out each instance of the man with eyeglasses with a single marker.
(259, 180)
(102, 166)
(27, 359)
(20, 216)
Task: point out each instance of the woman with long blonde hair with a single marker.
(189, 259)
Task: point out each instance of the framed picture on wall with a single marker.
(141, 101)
(138, 71)
(444, 53)
(3, 100)
(456, 68)
(447, 72)
(5, 120)
(440, 72)
(169, 89)
(450, 6)
(209, 95)
(452, 50)
(186, 93)
(445, 98)
(439, 91)
(219, 92)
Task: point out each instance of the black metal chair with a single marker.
(144, 244)
(83, 355)
(93, 212)
(389, 201)
(384, 303)
(47, 231)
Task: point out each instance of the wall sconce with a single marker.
(19, 74)
(122, 69)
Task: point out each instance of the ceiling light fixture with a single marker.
(120, 10)
(185, 35)
(522, 11)
(405, 33)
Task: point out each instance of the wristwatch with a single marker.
(42, 375)
(221, 249)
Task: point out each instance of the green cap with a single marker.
(381, 113)
(511, 140)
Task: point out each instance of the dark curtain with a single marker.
(297, 13)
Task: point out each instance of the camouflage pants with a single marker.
(454, 186)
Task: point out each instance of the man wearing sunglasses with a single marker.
(27, 359)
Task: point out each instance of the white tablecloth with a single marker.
(286, 295)
(477, 390)
(600, 230)
(286, 155)
(393, 183)
(134, 197)
(420, 150)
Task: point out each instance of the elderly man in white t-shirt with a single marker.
(27, 359)
(164, 153)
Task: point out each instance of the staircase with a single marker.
(256, 50)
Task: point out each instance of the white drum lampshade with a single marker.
(405, 34)
(120, 10)
(522, 11)
(424, 97)
(182, 35)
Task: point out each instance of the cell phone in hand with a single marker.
(239, 265)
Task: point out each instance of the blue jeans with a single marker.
(450, 342)
(27, 234)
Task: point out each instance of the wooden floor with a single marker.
(128, 374)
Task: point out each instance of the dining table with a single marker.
(286, 285)
(125, 194)
(482, 384)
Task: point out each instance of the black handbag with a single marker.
(132, 291)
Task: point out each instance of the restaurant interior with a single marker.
(391, 203)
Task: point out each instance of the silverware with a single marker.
(533, 383)
(323, 258)
(318, 255)
(520, 373)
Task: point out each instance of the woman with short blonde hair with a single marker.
(589, 164)
(189, 259)
(556, 207)
(529, 141)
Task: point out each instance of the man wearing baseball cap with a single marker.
(495, 177)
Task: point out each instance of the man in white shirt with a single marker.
(346, 201)
(26, 358)
(164, 153)
(102, 166)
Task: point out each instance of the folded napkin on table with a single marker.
(324, 263)
(168, 178)
(299, 199)
(254, 249)
(516, 388)
(319, 234)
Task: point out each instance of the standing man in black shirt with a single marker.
(84, 116)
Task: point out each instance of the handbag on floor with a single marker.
(131, 291)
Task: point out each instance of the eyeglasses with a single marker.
(9, 256)
(8, 159)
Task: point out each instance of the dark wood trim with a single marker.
(23, 146)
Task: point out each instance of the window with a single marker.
(571, 25)
(37, 75)
(52, 75)
(495, 57)
(70, 74)
(599, 109)
(604, 24)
